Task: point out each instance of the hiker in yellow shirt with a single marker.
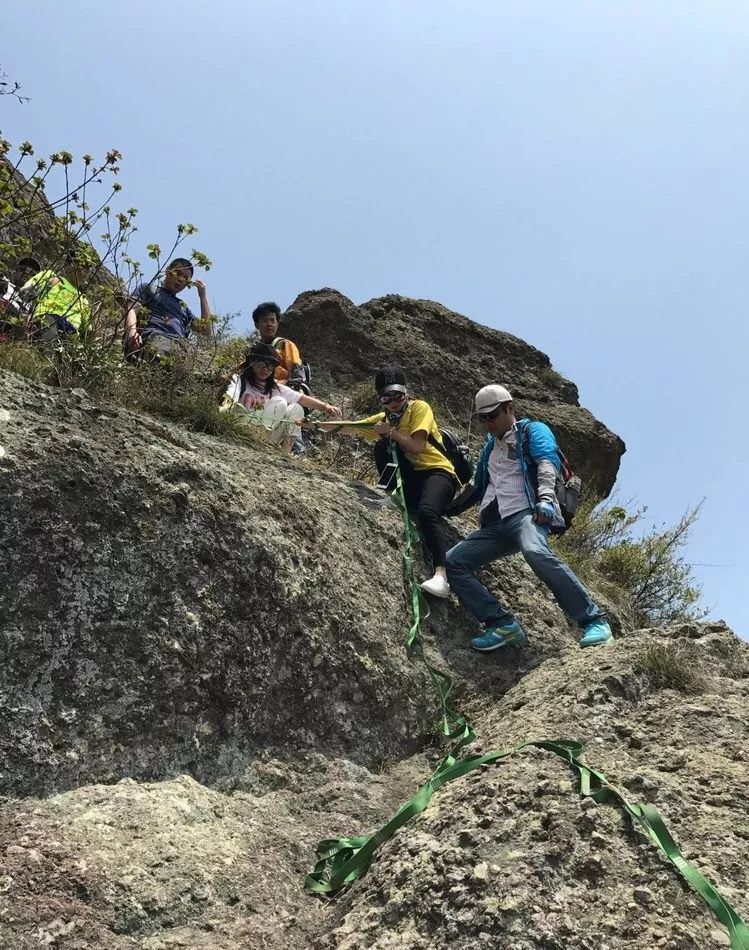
(429, 480)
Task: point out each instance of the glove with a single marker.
(544, 512)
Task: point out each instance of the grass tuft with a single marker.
(669, 666)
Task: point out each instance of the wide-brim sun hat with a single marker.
(263, 351)
(489, 397)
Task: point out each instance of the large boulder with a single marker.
(512, 857)
(171, 605)
(202, 673)
(174, 605)
(447, 357)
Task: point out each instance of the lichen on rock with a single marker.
(202, 674)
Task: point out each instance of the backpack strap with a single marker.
(564, 465)
(443, 451)
(438, 445)
(525, 439)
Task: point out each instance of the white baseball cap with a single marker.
(489, 397)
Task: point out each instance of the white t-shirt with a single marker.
(10, 302)
(291, 396)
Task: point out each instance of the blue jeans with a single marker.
(518, 532)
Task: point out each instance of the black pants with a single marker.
(428, 495)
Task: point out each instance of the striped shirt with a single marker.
(506, 480)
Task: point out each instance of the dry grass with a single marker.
(191, 401)
(25, 360)
(670, 666)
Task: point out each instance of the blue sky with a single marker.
(575, 174)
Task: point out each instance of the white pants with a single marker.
(278, 417)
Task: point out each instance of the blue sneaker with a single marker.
(512, 634)
(595, 634)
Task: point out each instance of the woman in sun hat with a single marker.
(268, 403)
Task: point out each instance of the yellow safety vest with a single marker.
(61, 299)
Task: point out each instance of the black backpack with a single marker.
(456, 452)
(567, 486)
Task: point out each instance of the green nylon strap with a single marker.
(341, 861)
(331, 428)
(454, 726)
(256, 418)
(595, 785)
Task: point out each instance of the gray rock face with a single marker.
(202, 674)
(168, 609)
(510, 856)
(179, 864)
(174, 606)
(447, 358)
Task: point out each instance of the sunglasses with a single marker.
(392, 397)
(488, 416)
(265, 363)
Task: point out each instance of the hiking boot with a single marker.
(595, 634)
(512, 634)
(437, 586)
(298, 446)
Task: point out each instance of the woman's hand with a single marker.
(333, 411)
(382, 428)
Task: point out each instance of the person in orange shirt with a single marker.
(266, 317)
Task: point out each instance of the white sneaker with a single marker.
(437, 586)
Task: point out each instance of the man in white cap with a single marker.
(518, 509)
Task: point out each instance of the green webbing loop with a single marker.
(454, 726)
(257, 417)
(341, 861)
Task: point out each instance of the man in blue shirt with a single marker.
(518, 509)
(168, 319)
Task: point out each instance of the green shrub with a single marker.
(645, 577)
(84, 362)
(551, 378)
(669, 666)
(185, 390)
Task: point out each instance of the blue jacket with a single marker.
(541, 445)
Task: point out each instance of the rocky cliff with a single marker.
(447, 358)
(203, 675)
